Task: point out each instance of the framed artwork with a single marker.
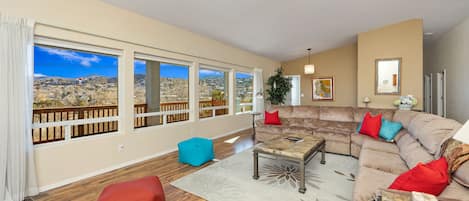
(323, 89)
(388, 76)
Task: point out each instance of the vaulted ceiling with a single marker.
(284, 29)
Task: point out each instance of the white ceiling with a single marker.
(284, 29)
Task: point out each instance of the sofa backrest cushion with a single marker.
(462, 174)
(404, 117)
(360, 112)
(284, 112)
(411, 151)
(306, 111)
(432, 130)
(342, 114)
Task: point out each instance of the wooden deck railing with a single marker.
(50, 134)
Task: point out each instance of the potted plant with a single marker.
(406, 102)
(278, 87)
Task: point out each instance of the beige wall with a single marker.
(451, 52)
(94, 22)
(404, 40)
(340, 63)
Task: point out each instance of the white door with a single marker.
(428, 94)
(293, 96)
(441, 93)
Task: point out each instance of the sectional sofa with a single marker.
(380, 162)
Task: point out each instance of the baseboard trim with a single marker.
(122, 165)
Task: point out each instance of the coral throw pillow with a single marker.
(431, 178)
(371, 125)
(272, 118)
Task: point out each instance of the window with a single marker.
(213, 92)
(73, 85)
(161, 92)
(244, 92)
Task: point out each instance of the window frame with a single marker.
(67, 124)
(214, 108)
(150, 57)
(236, 94)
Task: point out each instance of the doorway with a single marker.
(441, 93)
(293, 96)
(428, 102)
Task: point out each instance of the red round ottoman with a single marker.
(144, 189)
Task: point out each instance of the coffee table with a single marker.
(301, 152)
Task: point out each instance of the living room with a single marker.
(101, 95)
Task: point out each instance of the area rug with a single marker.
(231, 179)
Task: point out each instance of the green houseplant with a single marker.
(278, 87)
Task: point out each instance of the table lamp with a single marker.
(366, 100)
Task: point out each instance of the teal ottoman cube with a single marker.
(196, 151)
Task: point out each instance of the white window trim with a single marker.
(69, 123)
(165, 115)
(215, 68)
(214, 108)
(77, 46)
(143, 56)
(190, 66)
(57, 43)
(244, 104)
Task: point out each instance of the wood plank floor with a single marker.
(166, 167)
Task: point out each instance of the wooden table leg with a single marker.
(256, 164)
(302, 177)
(323, 154)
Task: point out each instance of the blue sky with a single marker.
(57, 62)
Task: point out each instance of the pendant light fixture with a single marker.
(309, 68)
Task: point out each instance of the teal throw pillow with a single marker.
(359, 127)
(389, 129)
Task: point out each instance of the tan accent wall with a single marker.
(451, 52)
(94, 22)
(340, 63)
(403, 40)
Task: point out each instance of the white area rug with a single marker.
(231, 179)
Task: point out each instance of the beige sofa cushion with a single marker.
(359, 139)
(369, 181)
(360, 112)
(431, 130)
(283, 111)
(343, 114)
(383, 161)
(345, 128)
(404, 117)
(455, 191)
(419, 122)
(462, 175)
(310, 112)
(296, 122)
(381, 146)
(270, 129)
(412, 152)
(297, 130)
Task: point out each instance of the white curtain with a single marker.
(17, 168)
(258, 92)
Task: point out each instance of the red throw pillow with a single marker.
(272, 118)
(431, 178)
(371, 125)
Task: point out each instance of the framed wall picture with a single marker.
(323, 89)
(388, 76)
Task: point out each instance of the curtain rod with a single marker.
(138, 44)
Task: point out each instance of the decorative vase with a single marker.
(405, 107)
